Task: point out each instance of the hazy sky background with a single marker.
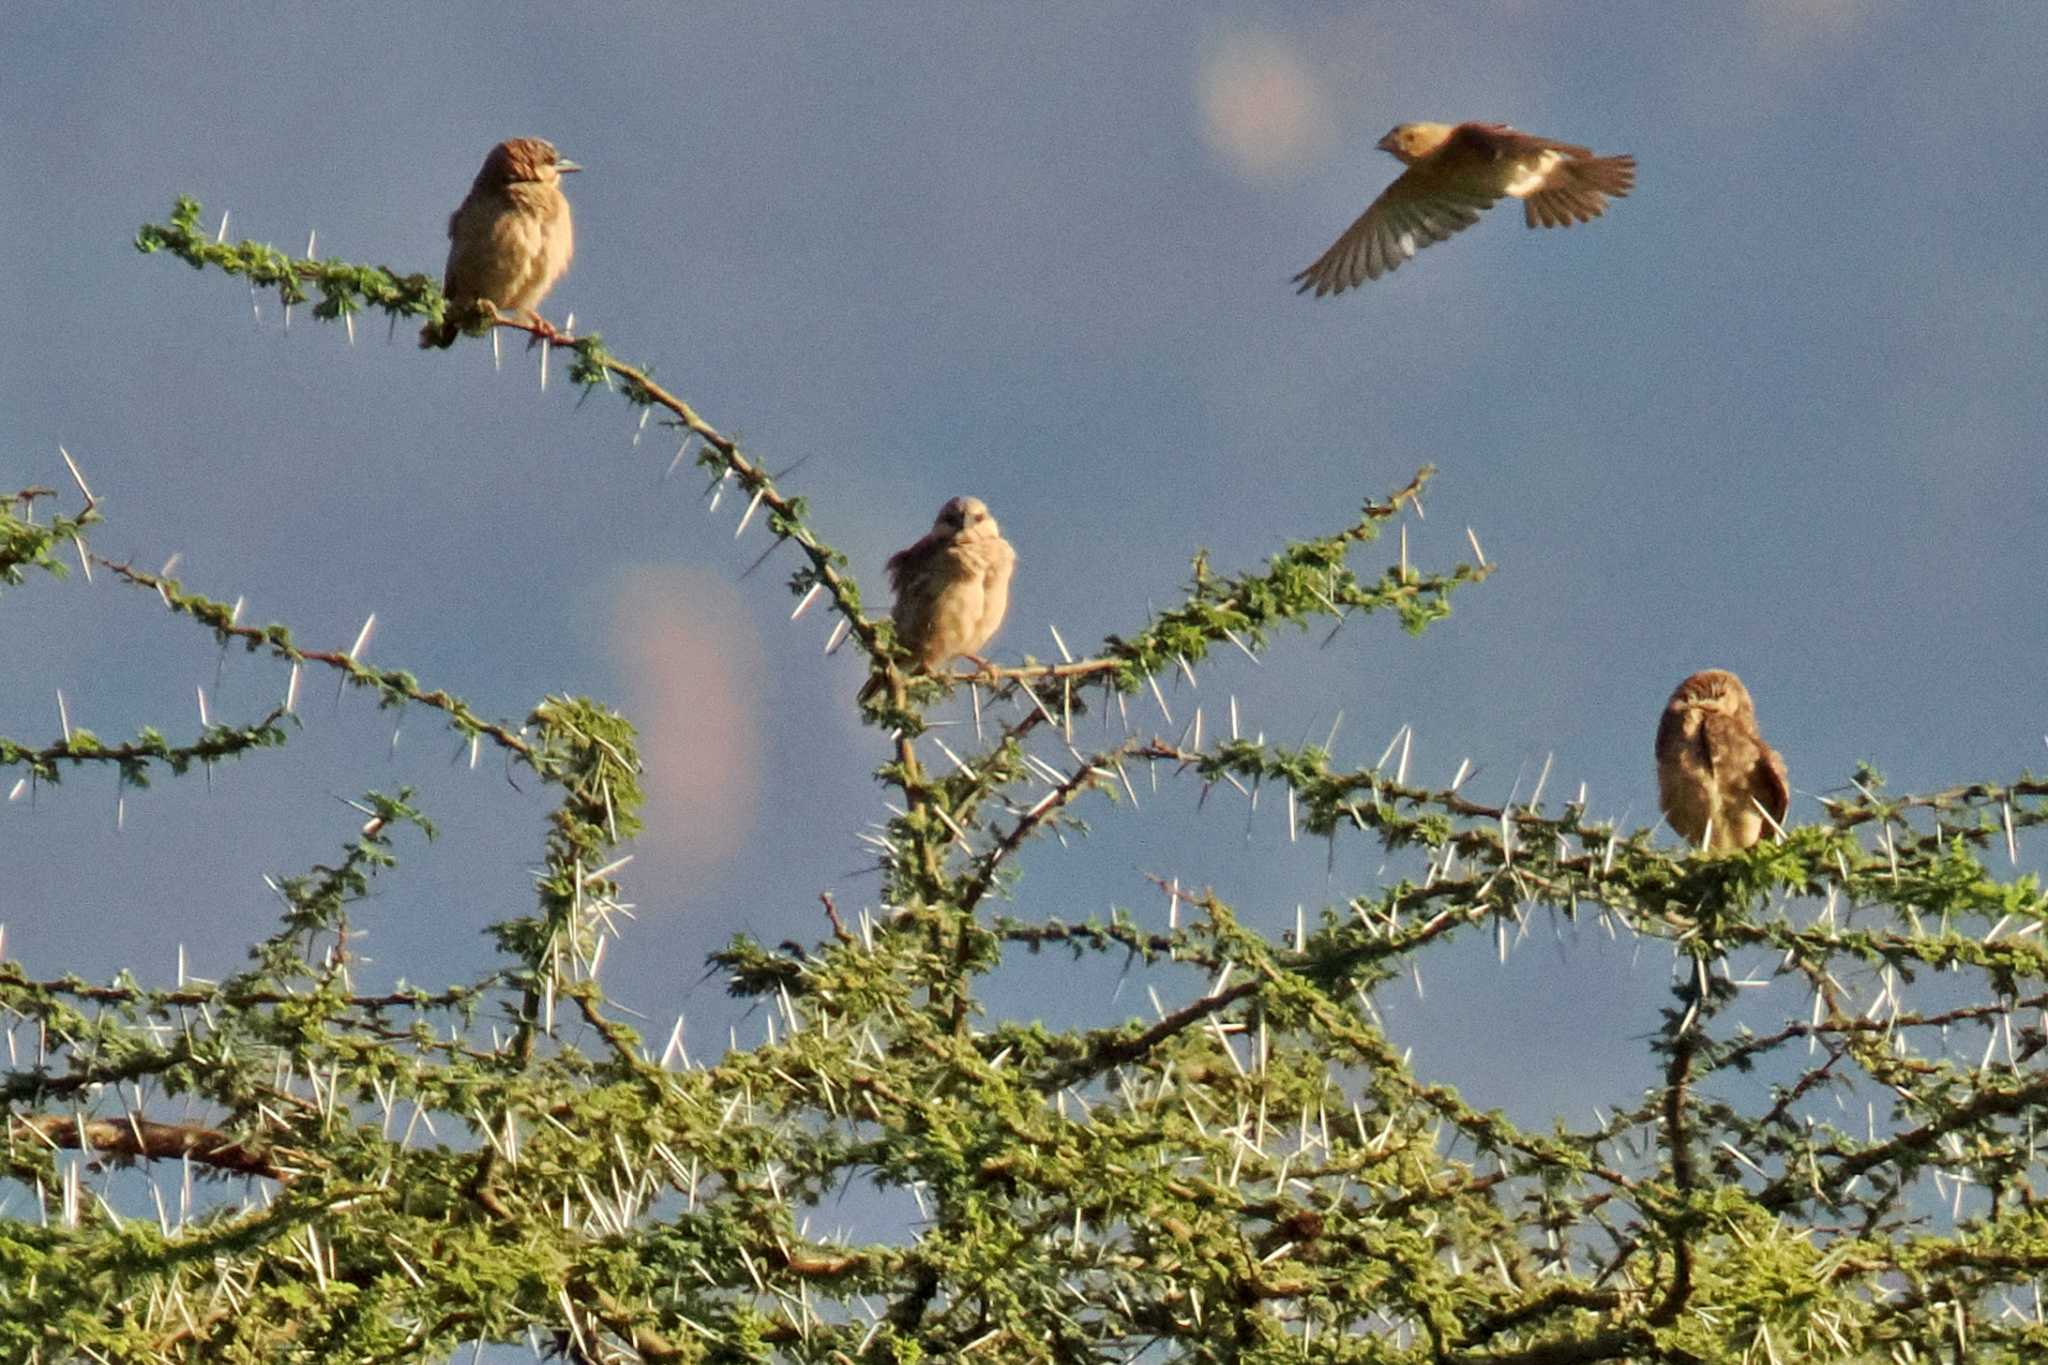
(1779, 412)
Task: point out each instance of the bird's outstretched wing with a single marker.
(1444, 191)
(1429, 202)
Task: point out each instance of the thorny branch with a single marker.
(394, 685)
(1261, 1174)
(134, 1136)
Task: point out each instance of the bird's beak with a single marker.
(565, 166)
(1387, 144)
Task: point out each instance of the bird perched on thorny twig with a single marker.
(1454, 171)
(511, 239)
(1715, 775)
(952, 587)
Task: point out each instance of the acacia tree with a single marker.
(1254, 1172)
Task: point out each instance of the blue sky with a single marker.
(1779, 412)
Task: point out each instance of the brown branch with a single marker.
(1623, 1343)
(193, 996)
(138, 1137)
(1072, 668)
(755, 480)
(1985, 1104)
(1550, 1301)
(615, 1035)
(1677, 1078)
(832, 914)
(1845, 1027)
(1084, 778)
(1812, 1077)
(1847, 815)
(1117, 1049)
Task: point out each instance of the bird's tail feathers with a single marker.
(1581, 193)
(1615, 175)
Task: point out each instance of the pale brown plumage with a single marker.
(952, 587)
(1713, 769)
(510, 240)
(1455, 171)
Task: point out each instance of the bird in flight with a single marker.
(1455, 171)
(1716, 778)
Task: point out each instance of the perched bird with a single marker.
(1714, 770)
(952, 587)
(511, 239)
(1454, 171)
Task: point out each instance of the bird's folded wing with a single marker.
(1774, 789)
(917, 604)
(907, 564)
(1744, 766)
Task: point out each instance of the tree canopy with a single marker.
(1836, 1163)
